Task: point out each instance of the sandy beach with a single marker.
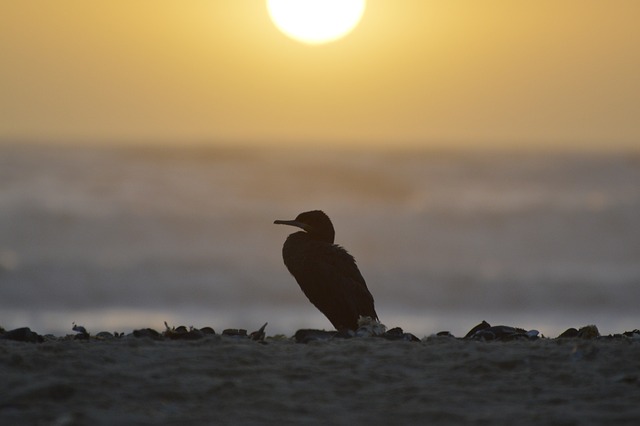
(226, 380)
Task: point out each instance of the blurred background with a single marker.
(480, 161)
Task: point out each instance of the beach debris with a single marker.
(532, 334)
(568, 333)
(260, 334)
(182, 333)
(105, 335)
(310, 335)
(484, 331)
(368, 327)
(83, 334)
(207, 330)
(23, 334)
(173, 333)
(397, 333)
(235, 332)
(147, 332)
(482, 326)
(586, 332)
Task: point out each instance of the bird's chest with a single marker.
(306, 256)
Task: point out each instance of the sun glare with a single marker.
(316, 21)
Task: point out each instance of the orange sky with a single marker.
(545, 73)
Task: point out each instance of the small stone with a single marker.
(235, 332)
(482, 326)
(588, 332)
(23, 334)
(147, 332)
(568, 334)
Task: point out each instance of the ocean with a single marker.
(117, 238)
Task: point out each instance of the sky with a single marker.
(446, 73)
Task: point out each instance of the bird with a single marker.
(326, 272)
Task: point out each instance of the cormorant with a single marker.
(326, 272)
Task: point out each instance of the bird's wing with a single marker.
(335, 285)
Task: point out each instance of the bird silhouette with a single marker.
(327, 273)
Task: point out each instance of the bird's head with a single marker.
(315, 222)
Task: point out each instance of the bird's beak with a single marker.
(293, 223)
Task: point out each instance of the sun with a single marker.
(316, 21)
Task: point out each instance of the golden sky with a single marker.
(481, 73)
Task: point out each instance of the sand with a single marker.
(224, 380)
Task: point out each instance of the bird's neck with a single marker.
(324, 237)
(313, 236)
